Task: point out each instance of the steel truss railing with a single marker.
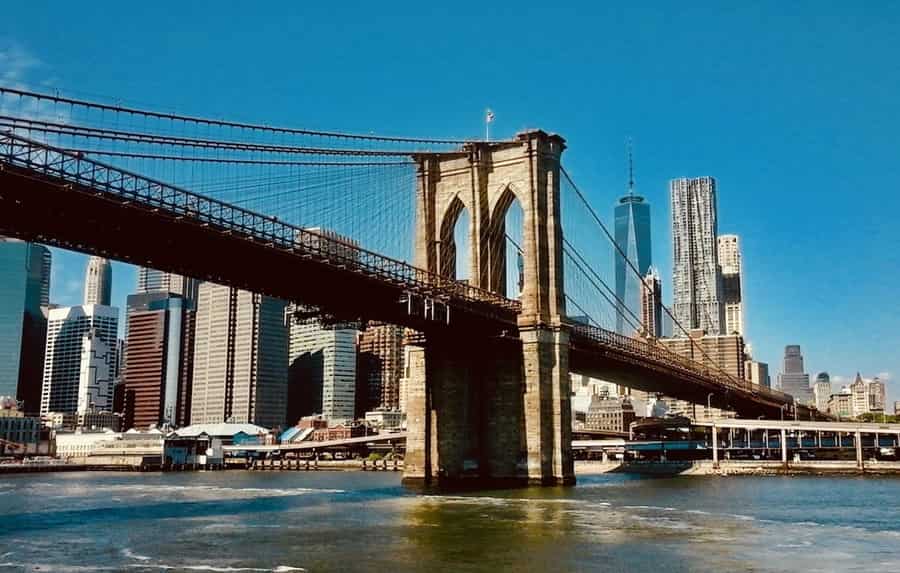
(651, 351)
(75, 168)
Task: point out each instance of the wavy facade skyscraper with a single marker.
(697, 281)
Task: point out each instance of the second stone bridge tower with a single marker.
(481, 406)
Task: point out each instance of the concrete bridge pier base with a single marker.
(464, 414)
(548, 414)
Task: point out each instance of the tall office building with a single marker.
(697, 281)
(859, 396)
(240, 358)
(822, 391)
(152, 280)
(46, 268)
(24, 301)
(757, 373)
(793, 379)
(651, 305)
(632, 233)
(876, 392)
(732, 283)
(69, 331)
(379, 367)
(97, 372)
(722, 352)
(98, 282)
(322, 369)
(157, 370)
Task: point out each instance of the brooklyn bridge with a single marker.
(487, 251)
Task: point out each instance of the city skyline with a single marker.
(764, 101)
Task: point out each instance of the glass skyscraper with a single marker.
(633, 237)
(24, 294)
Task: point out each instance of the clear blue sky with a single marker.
(793, 106)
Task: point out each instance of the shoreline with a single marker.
(701, 468)
(760, 468)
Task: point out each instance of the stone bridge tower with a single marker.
(495, 408)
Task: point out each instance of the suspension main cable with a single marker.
(176, 141)
(221, 123)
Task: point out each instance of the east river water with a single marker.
(332, 521)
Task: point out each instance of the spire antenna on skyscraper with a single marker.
(630, 147)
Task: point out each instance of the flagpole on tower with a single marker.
(488, 119)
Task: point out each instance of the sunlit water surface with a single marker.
(331, 521)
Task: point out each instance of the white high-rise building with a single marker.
(697, 289)
(240, 358)
(822, 391)
(66, 330)
(732, 283)
(95, 379)
(98, 282)
(324, 360)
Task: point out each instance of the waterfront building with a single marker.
(158, 361)
(155, 281)
(841, 405)
(729, 253)
(822, 391)
(876, 392)
(897, 408)
(379, 367)
(98, 282)
(651, 305)
(19, 434)
(24, 302)
(583, 389)
(240, 358)
(757, 373)
(697, 289)
(632, 234)
(793, 379)
(322, 373)
(383, 419)
(859, 393)
(609, 413)
(82, 443)
(76, 338)
(99, 420)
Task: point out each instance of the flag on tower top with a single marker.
(490, 116)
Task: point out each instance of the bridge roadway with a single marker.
(66, 200)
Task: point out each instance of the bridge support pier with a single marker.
(490, 412)
(547, 409)
(464, 414)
